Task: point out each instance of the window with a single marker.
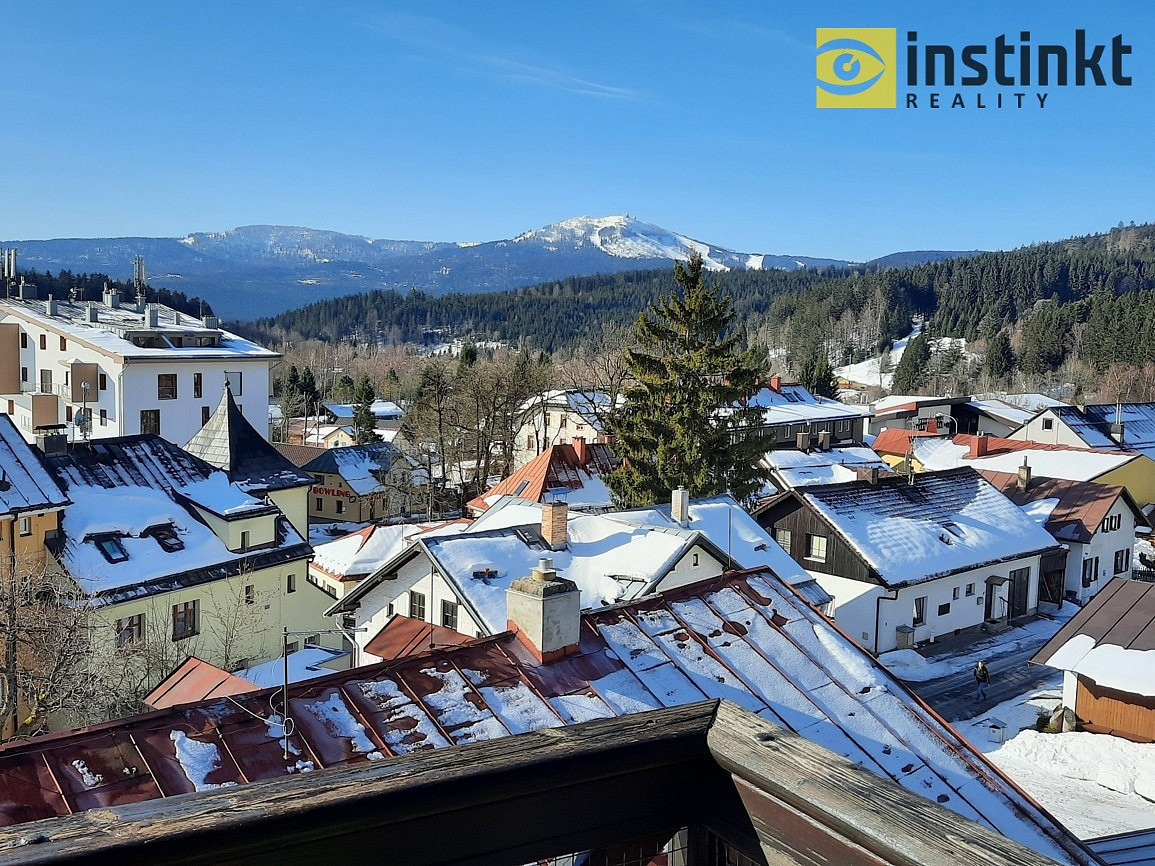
(46, 381)
(919, 611)
(389, 609)
(944, 609)
(250, 593)
(184, 620)
(321, 585)
(1048, 423)
(244, 539)
(23, 340)
(1110, 523)
(206, 413)
(340, 506)
(111, 548)
(1122, 560)
(292, 647)
(782, 536)
(449, 614)
(529, 443)
(291, 583)
(11, 407)
(103, 417)
(198, 385)
(43, 341)
(816, 547)
(954, 594)
(103, 382)
(546, 417)
(1090, 570)
(417, 605)
(63, 345)
(318, 503)
(150, 421)
(234, 380)
(166, 386)
(166, 537)
(23, 374)
(25, 525)
(563, 421)
(130, 630)
(695, 560)
(970, 589)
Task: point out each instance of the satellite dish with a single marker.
(83, 420)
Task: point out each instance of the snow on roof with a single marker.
(1092, 424)
(72, 319)
(126, 497)
(1111, 640)
(361, 552)
(588, 404)
(381, 409)
(1006, 455)
(1040, 510)
(837, 466)
(25, 485)
(559, 470)
(1003, 411)
(304, 664)
(793, 403)
(1070, 510)
(939, 523)
(748, 638)
(363, 467)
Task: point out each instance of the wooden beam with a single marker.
(810, 806)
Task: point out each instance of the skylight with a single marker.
(111, 548)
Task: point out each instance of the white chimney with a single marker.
(680, 505)
(545, 612)
(92, 313)
(50, 306)
(151, 315)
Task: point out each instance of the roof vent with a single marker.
(151, 315)
(50, 306)
(92, 313)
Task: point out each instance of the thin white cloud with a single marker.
(451, 45)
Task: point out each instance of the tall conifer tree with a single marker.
(682, 423)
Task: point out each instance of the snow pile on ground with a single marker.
(1095, 784)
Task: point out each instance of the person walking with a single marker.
(982, 679)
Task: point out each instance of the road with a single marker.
(953, 697)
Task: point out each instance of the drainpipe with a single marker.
(877, 605)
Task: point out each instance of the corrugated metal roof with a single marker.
(1081, 505)
(1122, 614)
(1126, 849)
(195, 680)
(745, 637)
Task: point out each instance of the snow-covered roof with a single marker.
(1093, 424)
(363, 467)
(1000, 410)
(360, 553)
(132, 525)
(304, 664)
(589, 404)
(381, 409)
(795, 468)
(748, 638)
(25, 485)
(1003, 455)
(793, 404)
(1069, 510)
(937, 523)
(1111, 641)
(569, 471)
(173, 329)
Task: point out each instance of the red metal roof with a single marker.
(403, 636)
(195, 680)
(559, 466)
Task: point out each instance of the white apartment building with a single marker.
(133, 367)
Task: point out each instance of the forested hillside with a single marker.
(1091, 298)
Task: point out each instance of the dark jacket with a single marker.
(982, 674)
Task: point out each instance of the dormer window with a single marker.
(166, 537)
(111, 548)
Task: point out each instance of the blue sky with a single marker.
(473, 121)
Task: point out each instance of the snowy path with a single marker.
(867, 372)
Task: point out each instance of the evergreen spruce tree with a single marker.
(364, 421)
(818, 376)
(910, 373)
(999, 360)
(681, 423)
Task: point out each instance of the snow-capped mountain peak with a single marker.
(625, 237)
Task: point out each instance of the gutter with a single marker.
(877, 611)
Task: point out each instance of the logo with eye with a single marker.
(856, 67)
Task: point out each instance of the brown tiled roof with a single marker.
(195, 680)
(298, 455)
(1081, 508)
(896, 441)
(1122, 614)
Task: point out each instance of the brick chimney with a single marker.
(776, 383)
(554, 516)
(979, 445)
(545, 612)
(579, 448)
(1024, 476)
(680, 505)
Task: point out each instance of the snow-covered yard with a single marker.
(867, 372)
(1096, 784)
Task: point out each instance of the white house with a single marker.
(792, 415)
(1095, 521)
(557, 418)
(908, 559)
(134, 368)
(458, 579)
